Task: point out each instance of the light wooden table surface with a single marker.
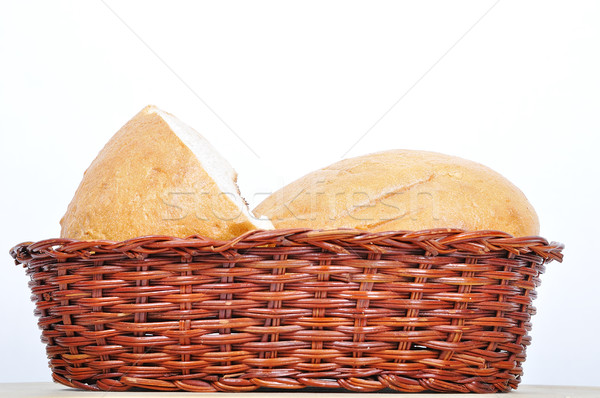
(51, 390)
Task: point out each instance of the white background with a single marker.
(282, 88)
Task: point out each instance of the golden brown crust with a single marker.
(402, 190)
(146, 181)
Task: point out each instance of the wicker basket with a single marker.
(434, 310)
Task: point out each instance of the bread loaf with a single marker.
(158, 176)
(402, 190)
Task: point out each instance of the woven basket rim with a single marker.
(436, 241)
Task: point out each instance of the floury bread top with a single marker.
(158, 176)
(402, 190)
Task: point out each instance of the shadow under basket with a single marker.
(434, 310)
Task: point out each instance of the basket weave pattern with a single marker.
(433, 310)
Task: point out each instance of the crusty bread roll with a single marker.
(402, 190)
(158, 176)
